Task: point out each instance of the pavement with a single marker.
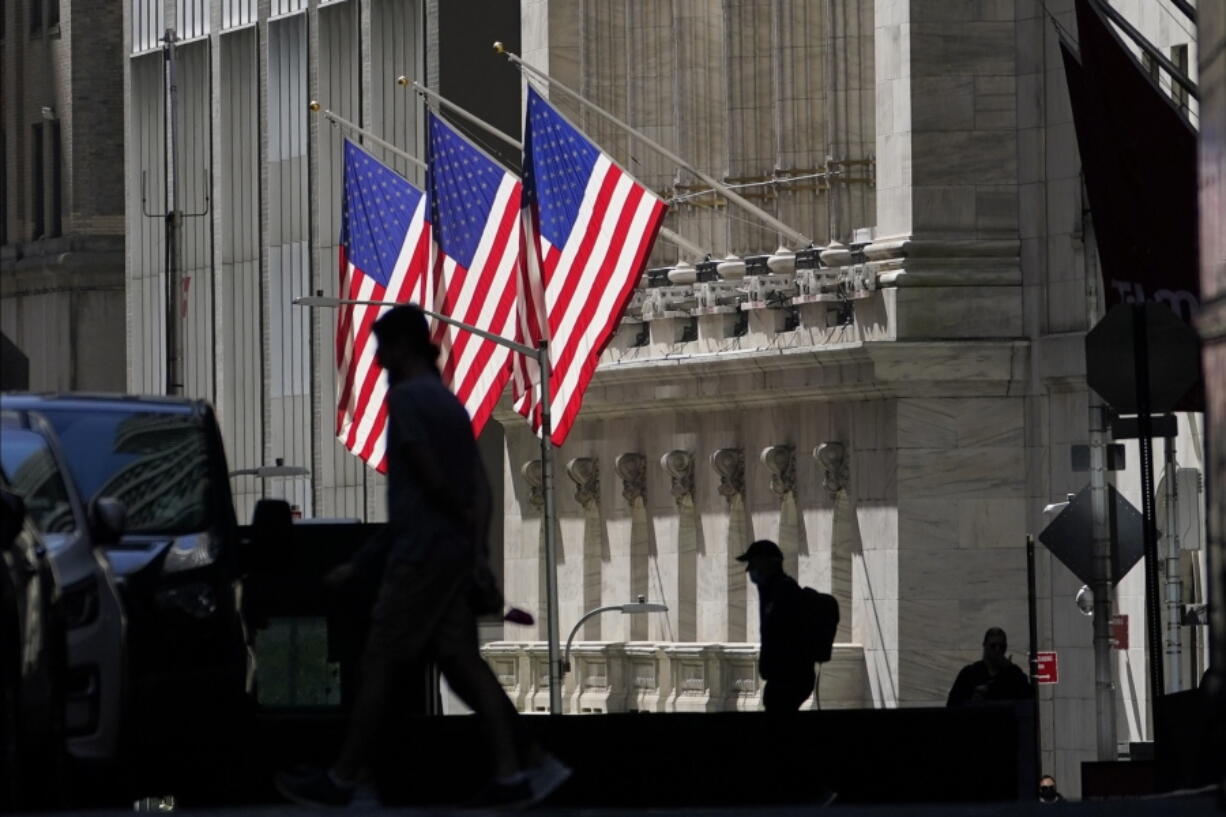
(1203, 803)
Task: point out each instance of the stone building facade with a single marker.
(894, 406)
(62, 310)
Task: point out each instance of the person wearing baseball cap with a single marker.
(784, 661)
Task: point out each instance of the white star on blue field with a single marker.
(463, 183)
(558, 161)
(375, 216)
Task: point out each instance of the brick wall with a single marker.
(97, 116)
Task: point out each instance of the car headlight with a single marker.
(190, 552)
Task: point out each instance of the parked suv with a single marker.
(74, 536)
(178, 566)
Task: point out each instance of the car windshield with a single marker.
(31, 471)
(155, 463)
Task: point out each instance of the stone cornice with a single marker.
(902, 261)
(765, 376)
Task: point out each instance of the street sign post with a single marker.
(1142, 358)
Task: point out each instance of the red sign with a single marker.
(1119, 631)
(1049, 669)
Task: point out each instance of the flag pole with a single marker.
(668, 235)
(723, 189)
(337, 119)
(551, 545)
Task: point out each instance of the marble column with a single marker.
(533, 546)
(681, 593)
(584, 472)
(946, 252)
(632, 469)
(845, 544)
(723, 582)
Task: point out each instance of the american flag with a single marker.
(384, 255)
(474, 206)
(588, 229)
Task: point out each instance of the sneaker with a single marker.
(546, 778)
(314, 788)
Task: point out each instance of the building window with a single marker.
(38, 223)
(36, 16)
(1179, 56)
(53, 14)
(4, 188)
(55, 168)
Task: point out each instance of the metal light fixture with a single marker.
(637, 607)
(278, 470)
(1085, 600)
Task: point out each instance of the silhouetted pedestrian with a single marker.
(995, 678)
(439, 505)
(786, 657)
(1047, 790)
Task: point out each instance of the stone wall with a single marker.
(645, 676)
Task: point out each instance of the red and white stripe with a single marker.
(485, 296)
(361, 388)
(587, 284)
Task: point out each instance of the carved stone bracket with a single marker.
(533, 472)
(729, 463)
(585, 473)
(680, 467)
(832, 457)
(780, 461)
(632, 468)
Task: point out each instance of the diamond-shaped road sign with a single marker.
(1173, 355)
(1070, 536)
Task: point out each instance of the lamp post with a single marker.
(640, 606)
(541, 353)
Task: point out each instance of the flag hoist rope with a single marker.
(791, 233)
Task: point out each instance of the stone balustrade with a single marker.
(648, 676)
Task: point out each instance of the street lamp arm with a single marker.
(625, 609)
(578, 624)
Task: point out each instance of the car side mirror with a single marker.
(108, 519)
(12, 517)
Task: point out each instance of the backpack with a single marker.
(821, 620)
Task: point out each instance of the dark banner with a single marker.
(1139, 160)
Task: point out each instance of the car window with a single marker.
(155, 463)
(32, 472)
